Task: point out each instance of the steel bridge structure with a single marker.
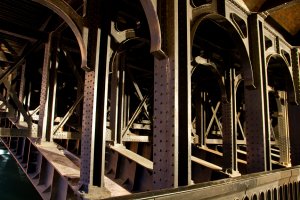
(153, 99)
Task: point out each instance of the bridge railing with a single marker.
(283, 184)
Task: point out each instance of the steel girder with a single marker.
(48, 88)
(95, 105)
(293, 111)
(165, 120)
(257, 117)
(149, 91)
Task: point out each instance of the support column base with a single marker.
(287, 164)
(95, 193)
(232, 173)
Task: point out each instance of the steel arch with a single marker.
(74, 21)
(247, 71)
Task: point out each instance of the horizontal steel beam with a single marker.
(66, 135)
(275, 183)
(133, 156)
(14, 132)
(25, 33)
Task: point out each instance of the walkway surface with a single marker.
(70, 170)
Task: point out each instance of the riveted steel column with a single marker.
(294, 111)
(296, 72)
(117, 99)
(48, 90)
(256, 102)
(200, 117)
(184, 93)
(22, 83)
(95, 101)
(52, 90)
(22, 87)
(165, 123)
(114, 100)
(229, 124)
(283, 129)
(44, 90)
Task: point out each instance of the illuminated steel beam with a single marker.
(184, 93)
(94, 115)
(229, 128)
(294, 111)
(66, 135)
(48, 90)
(256, 102)
(67, 115)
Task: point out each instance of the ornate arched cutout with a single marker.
(125, 45)
(75, 22)
(219, 20)
(276, 60)
(218, 77)
(138, 76)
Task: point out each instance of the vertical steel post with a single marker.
(22, 83)
(283, 129)
(117, 99)
(165, 122)
(95, 101)
(294, 111)
(114, 99)
(184, 93)
(296, 72)
(124, 102)
(94, 121)
(48, 90)
(44, 91)
(256, 102)
(22, 87)
(229, 122)
(52, 90)
(200, 117)
(28, 95)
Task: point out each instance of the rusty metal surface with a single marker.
(176, 93)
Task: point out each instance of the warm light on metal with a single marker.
(3, 57)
